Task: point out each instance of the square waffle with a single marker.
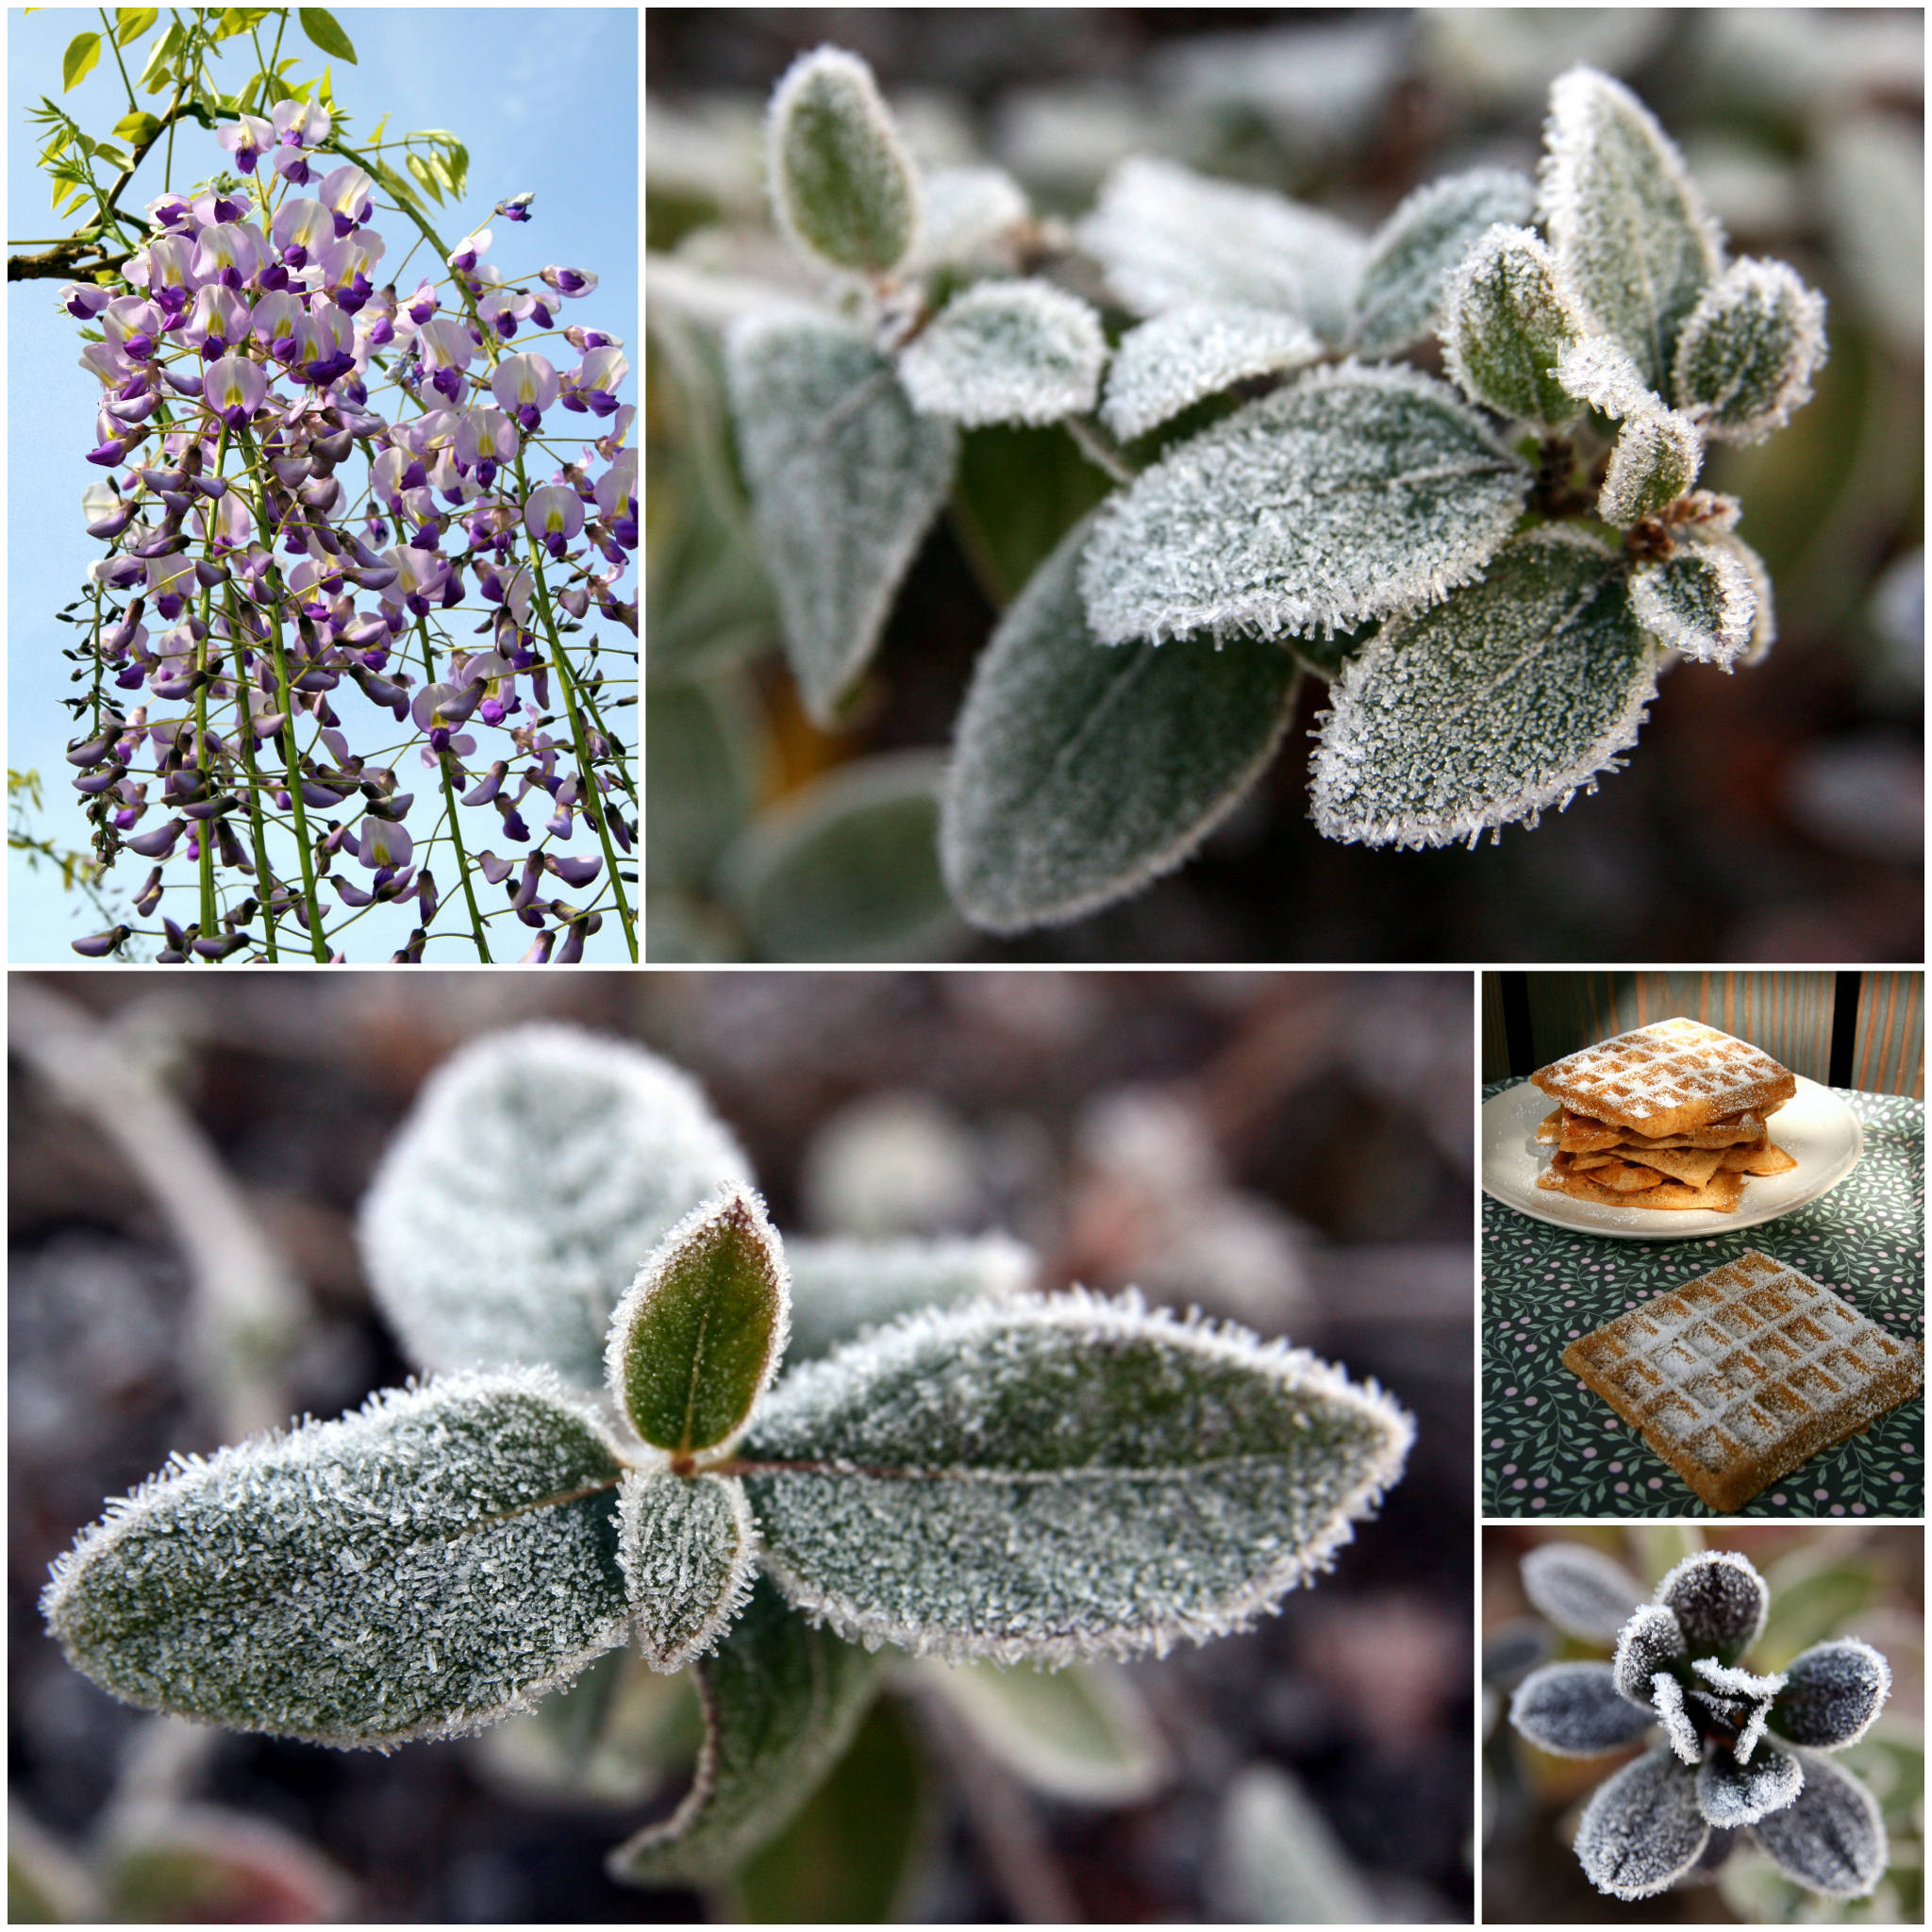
(1667, 1078)
(1739, 1376)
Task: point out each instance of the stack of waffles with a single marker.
(1740, 1376)
(1671, 1116)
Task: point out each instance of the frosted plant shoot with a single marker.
(1487, 570)
(624, 1436)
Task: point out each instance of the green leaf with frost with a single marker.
(1657, 458)
(841, 1287)
(1006, 352)
(533, 1177)
(1748, 352)
(1418, 248)
(1352, 493)
(1186, 354)
(969, 214)
(782, 1699)
(1625, 218)
(1597, 370)
(1511, 696)
(1507, 318)
(1050, 1479)
(842, 186)
(687, 1545)
(1080, 773)
(1165, 236)
(1082, 1733)
(845, 479)
(697, 1337)
(1701, 601)
(418, 1569)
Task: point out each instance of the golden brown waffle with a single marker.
(1719, 1195)
(1693, 1166)
(1667, 1079)
(1739, 1376)
(1576, 1133)
(1766, 1157)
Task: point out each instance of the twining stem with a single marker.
(245, 725)
(449, 804)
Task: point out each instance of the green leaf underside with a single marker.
(782, 1699)
(1350, 495)
(686, 1545)
(1625, 217)
(1051, 1479)
(536, 1172)
(1006, 352)
(1411, 258)
(1185, 355)
(418, 1569)
(1748, 351)
(1080, 1733)
(845, 479)
(1510, 696)
(1702, 601)
(841, 1287)
(82, 53)
(1079, 773)
(695, 1339)
(1166, 235)
(1507, 322)
(841, 182)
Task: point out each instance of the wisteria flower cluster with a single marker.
(1744, 1754)
(276, 538)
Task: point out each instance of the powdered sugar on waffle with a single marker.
(1674, 1068)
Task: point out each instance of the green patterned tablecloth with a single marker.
(1551, 1448)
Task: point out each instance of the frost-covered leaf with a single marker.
(1600, 371)
(1748, 352)
(1667, 1695)
(1701, 600)
(1831, 1839)
(1642, 1828)
(1719, 1601)
(418, 1569)
(848, 867)
(1417, 249)
(1650, 1642)
(1732, 1794)
(697, 1337)
(845, 479)
(1006, 352)
(1575, 1711)
(1082, 1733)
(1185, 354)
(968, 214)
(1351, 493)
(782, 1699)
(1057, 1478)
(1832, 1694)
(1166, 235)
(1625, 217)
(687, 1545)
(842, 186)
(1080, 773)
(1870, 181)
(1510, 696)
(1655, 460)
(1580, 1590)
(1507, 317)
(841, 1287)
(536, 1170)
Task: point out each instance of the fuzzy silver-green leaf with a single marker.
(1066, 1477)
(418, 1569)
(1508, 697)
(841, 1287)
(687, 1545)
(1625, 218)
(845, 477)
(1748, 352)
(1418, 248)
(1701, 600)
(781, 1700)
(536, 1172)
(1353, 493)
(1080, 773)
(1006, 352)
(1580, 1590)
(1507, 317)
(842, 186)
(1183, 355)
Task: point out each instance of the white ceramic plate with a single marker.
(1815, 1127)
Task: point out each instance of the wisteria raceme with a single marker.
(291, 555)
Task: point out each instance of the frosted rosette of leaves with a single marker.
(1743, 1753)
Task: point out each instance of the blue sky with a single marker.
(545, 100)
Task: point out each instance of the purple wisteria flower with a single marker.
(1743, 1753)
